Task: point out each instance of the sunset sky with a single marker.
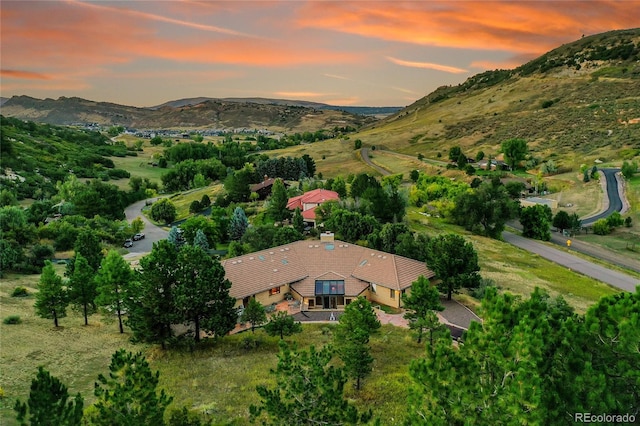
(369, 53)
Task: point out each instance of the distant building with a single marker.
(308, 202)
(263, 189)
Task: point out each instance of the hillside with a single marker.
(574, 104)
(184, 114)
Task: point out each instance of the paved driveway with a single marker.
(152, 232)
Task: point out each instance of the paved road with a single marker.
(613, 201)
(152, 232)
(563, 257)
(365, 157)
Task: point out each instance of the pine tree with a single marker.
(51, 299)
(129, 394)
(254, 313)
(421, 305)
(152, 305)
(238, 224)
(278, 202)
(298, 220)
(114, 278)
(202, 293)
(48, 403)
(200, 240)
(82, 287)
(282, 324)
(352, 334)
(308, 391)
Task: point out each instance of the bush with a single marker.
(20, 292)
(12, 319)
(628, 222)
(250, 341)
(195, 206)
(601, 227)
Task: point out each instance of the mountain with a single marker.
(573, 104)
(257, 113)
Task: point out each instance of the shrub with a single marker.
(20, 292)
(195, 206)
(12, 319)
(601, 227)
(628, 222)
(250, 341)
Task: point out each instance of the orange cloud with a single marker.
(426, 65)
(510, 26)
(27, 75)
(301, 94)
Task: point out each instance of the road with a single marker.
(613, 201)
(152, 232)
(364, 152)
(565, 258)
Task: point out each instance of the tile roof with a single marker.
(316, 196)
(302, 262)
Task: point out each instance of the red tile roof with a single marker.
(317, 196)
(302, 262)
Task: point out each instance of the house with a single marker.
(263, 189)
(308, 201)
(325, 274)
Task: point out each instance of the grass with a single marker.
(219, 377)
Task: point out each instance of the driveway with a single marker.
(613, 200)
(152, 232)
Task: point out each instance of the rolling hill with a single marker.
(574, 104)
(274, 115)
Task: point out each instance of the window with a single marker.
(275, 290)
(373, 288)
(329, 287)
(312, 303)
(392, 293)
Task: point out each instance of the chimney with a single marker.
(326, 237)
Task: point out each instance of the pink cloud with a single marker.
(27, 75)
(426, 65)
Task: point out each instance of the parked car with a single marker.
(138, 237)
(127, 243)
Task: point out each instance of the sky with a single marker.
(364, 53)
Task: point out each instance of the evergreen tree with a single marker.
(51, 299)
(48, 403)
(201, 240)
(128, 395)
(114, 278)
(421, 306)
(308, 391)
(454, 261)
(254, 314)
(238, 224)
(87, 245)
(152, 305)
(174, 236)
(202, 293)
(283, 324)
(277, 209)
(82, 287)
(356, 325)
(298, 220)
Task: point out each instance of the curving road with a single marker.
(152, 232)
(613, 196)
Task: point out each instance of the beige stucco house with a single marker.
(325, 274)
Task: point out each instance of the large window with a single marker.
(275, 290)
(329, 287)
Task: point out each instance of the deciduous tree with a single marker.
(536, 221)
(163, 211)
(454, 261)
(514, 150)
